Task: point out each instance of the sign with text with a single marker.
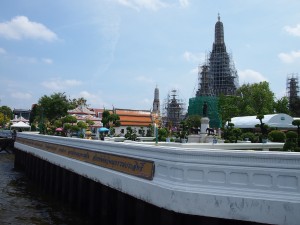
(133, 166)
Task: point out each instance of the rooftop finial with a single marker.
(218, 16)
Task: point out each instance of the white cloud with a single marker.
(47, 61)
(146, 4)
(194, 70)
(250, 76)
(144, 79)
(59, 84)
(21, 95)
(193, 57)
(289, 57)
(21, 27)
(92, 99)
(184, 3)
(293, 30)
(2, 51)
(29, 60)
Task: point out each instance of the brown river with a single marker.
(21, 203)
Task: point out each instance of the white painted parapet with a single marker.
(259, 186)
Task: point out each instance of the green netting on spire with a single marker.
(196, 108)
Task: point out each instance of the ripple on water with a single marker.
(20, 203)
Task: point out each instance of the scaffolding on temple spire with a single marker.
(292, 91)
(174, 110)
(216, 76)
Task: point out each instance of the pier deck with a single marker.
(251, 186)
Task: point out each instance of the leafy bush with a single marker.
(163, 133)
(251, 136)
(291, 135)
(291, 142)
(276, 136)
(290, 146)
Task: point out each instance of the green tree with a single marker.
(82, 126)
(69, 119)
(276, 136)
(184, 130)
(228, 107)
(90, 122)
(193, 122)
(66, 123)
(34, 114)
(163, 133)
(150, 131)
(250, 100)
(105, 118)
(77, 102)
(142, 131)
(54, 106)
(294, 105)
(58, 123)
(256, 99)
(131, 134)
(68, 128)
(5, 115)
(250, 136)
(263, 127)
(128, 133)
(291, 142)
(236, 133)
(282, 105)
(297, 123)
(114, 119)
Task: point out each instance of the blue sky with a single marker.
(115, 52)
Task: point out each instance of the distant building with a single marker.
(280, 121)
(174, 110)
(82, 113)
(156, 103)
(156, 114)
(24, 113)
(136, 119)
(292, 88)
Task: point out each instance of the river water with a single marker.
(21, 203)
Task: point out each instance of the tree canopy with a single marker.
(107, 118)
(54, 106)
(251, 100)
(5, 115)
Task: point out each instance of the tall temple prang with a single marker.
(156, 103)
(216, 76)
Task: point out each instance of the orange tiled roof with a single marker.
(130, 117)
(129, 112)
(135, 118)
(136, 124)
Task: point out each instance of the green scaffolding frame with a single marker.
(196, 108)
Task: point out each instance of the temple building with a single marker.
(174, 111)
(138, 120)
(216, 76)
(156, 103)
(82, 113)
